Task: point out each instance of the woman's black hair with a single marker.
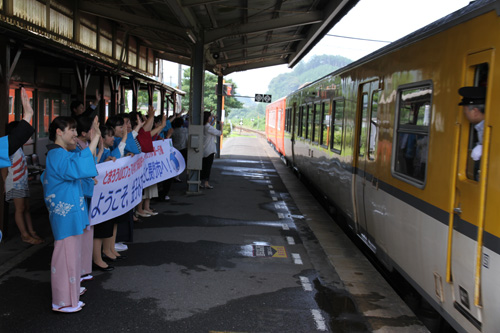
(114, 121)
(178, 122)
(83, 124)
(206, 116)
(10, 126)
(105, 129)
(61, 122)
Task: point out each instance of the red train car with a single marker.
(275, 124)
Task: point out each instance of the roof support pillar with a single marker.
(195, 139)
(114, 85)
(7, 66)
(220, 103)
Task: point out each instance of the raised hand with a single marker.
(28, 110)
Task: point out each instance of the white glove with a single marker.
(477, 152)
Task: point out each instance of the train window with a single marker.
(325, 123)
(316, 123)
(412, 133)
(374, 126)
(338, 126)
(364, 126)
(298, 122)
(310, 122)
(305, 116)
(288, 120)
(272, 118)
(280, 119)
(472, 169)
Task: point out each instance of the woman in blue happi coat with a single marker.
(68, 212)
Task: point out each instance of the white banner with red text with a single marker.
(120, 183)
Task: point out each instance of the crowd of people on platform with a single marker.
(79, 143)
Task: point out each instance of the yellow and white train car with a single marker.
(385, 140)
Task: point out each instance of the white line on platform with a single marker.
(272, 192)
(275, 198)
(290, 240)
(270, 186)
(296, 259)
(305, 283)
(282, 216)
(285, 226)
(319, 320)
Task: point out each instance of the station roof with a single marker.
(238, 35)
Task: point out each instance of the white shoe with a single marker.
(167, 198)
(87, 277)
(142, 214)
(121, 247)
(82, 290)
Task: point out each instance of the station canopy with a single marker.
(237, 35)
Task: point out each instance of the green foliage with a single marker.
(305, 72)
(209, 96)
(226, 131)
(254, 114)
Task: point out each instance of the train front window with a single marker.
(412, 133)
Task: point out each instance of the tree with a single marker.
(209, 96)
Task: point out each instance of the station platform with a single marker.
(255, 254)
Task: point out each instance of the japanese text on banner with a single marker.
(120, 183)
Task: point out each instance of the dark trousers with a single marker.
(206, 166)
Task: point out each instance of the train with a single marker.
(386, 142)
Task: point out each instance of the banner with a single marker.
(120, 183)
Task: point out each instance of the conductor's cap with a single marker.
(472, 95)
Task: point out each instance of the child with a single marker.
(68, 212)
(105, 232)
(17, 190)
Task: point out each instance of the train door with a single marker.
(361, 157)
(466, 229)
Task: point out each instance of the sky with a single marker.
(383, 20)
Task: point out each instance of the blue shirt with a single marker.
(4, 152)
(165, 130)
(63, 191)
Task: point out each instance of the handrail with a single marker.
(481, 219)
(452, 204)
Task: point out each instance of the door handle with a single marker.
(457, 210)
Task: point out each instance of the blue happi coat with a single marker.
(131, 144)
(106, 152)
(63, 190)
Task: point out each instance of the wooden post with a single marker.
(7, 65)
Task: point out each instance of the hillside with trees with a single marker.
(254, 114)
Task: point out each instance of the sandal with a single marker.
(68, 309)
